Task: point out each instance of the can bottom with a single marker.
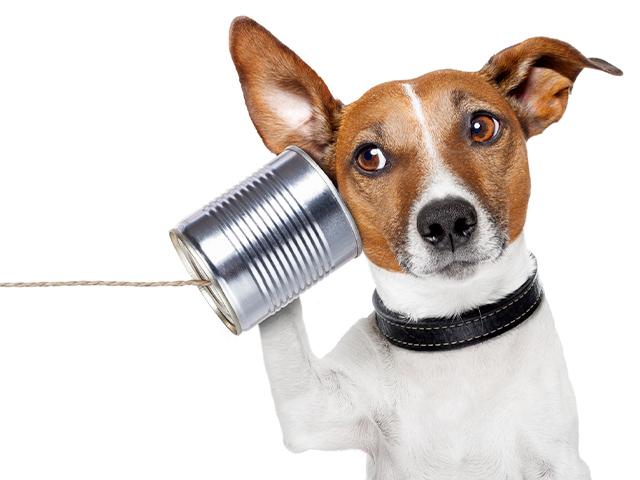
(197, 267)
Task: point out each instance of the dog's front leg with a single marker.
(316, 400)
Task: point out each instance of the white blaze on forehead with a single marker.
(416, 105)
(441, 181)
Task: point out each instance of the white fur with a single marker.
(503, 409)
(418, 112)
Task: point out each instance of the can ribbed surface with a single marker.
(280, 243)
(268, 239)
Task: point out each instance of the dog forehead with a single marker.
(383, 105)
(444, 83)
(388, 107)
(445, 95)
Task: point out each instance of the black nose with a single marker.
(447, 223)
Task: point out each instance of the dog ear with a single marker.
(288, 102)
(536, 76)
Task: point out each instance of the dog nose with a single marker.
(447, 223)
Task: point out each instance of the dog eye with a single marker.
(483, 127)
(371, 159)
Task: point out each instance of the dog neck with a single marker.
(437, 296)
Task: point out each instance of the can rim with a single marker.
(336, 194)
(199, 269)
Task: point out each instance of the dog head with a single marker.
(433, 169)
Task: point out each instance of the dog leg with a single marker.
(316, 400)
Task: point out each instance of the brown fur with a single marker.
(380, 204)
(525, 86)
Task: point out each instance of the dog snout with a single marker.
(447, 223)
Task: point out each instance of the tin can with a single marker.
(269, 238)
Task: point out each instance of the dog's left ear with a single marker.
(536, 77)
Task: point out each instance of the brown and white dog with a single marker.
(449, 146)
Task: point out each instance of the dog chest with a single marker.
(502, 409)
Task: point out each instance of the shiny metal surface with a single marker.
(268, 239)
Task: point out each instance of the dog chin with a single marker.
(454, 268)
(458, 270)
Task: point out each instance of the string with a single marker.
(106, 283)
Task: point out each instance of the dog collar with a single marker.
(471, 327)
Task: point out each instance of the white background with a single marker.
(119, 118)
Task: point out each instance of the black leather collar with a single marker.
(473, 326)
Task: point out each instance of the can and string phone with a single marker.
(257, 247)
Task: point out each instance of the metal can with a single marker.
(269, 238)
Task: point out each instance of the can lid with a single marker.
(198, 268)
(336, 194)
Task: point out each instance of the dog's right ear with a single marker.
(288, 102)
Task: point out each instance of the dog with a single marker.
(434, 171)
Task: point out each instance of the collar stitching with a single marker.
(444, 344)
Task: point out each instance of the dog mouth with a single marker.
(457, 264)
(455, 268)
